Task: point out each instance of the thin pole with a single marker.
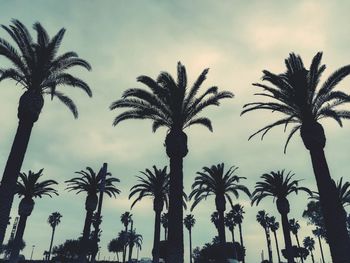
(31, 255)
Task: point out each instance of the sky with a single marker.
(125, 39)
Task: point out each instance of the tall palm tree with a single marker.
(164, 220)
(214, 218)
(309, 244)
(294, 228)
(29, 187)
(133, 239)
(274, 226)
(171, 104)
(238, 212)
(318, 233)
(214, 181)
(155, 185)
(189, 222)
(279, 186)
(53, 220)
(263, 219)
(295, 94)
(90, 183)
(38, 68)
(126, 219)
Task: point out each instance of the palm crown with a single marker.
(229, 220)
(277, 185)
(273, 224)
(189, 221)
(294, 226)
(54, 219)
(309, 243)
(296, 95)
(36, 65)
(169, 103)
(126, 218)
(134, 239)
(263, 219)
(29, 187)
(238, 212)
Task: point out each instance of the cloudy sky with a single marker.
(125, 39)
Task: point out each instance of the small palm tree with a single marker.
(263, 219)
(279, 186)
(90, 183)
(38, 68)
(189, 222)
(155, 185)
(29, 188)
(164, 220)
(230, 224)
(309, 244)
(274, 226)
(294, 228)
(238, 212)
(319, 233)
(214, 181)
(116, 245)
(133, 239)
(171, 104)
(126, 219)
(53, 220)
(295, 95)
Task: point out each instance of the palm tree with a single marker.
(230, 224)
(116, 245)
(164, 220)
(274, 226)
(90, 183)
(37, 68)
(294, 228)
(263, 219)
(155, 185)
(29, 187)
(53, 220)
(279, 186)
(214, 218)
(295, 94)
(318, 233)
(133, 239)
(238, 212)
(214, 181)
(309, 244)
(126, 219)
(169, 103)
(189, 222)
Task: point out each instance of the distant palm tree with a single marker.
(155, 185)
(116, 245)
(126, 219)
(53, 220)
(133, 239)
(214, 218)
(263, 219)
(295, 94)
(274, 226)
(29, 187)
(318, 233)
(164, 220)
(40, 71)
(214, 181)
(230, 224)
(171, 104)
(294, 228)
(90, 183)
(309, 244)
(238, 212)
(279, 186)
(189, 222)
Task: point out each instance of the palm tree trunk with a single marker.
(233, 241)
(242, 245)
(18, 238)
(319, 241)
(312, 256)
(86, 236)
(190, 233)
(332, 210)
(118, 256)
(156, 239)
(125, 246)
(296, 237)
(51, 242)
(277, 248)
(287, 239)
(221, 227)
(130, 253)
(11, 172)
(165, 233)
(268, 241)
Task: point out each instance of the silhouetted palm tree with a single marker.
(263, 219)
(90, 183)
(214, 218)
(295, 94)
(155, 185)
(214, 181)
(309, 244)
(29, 187)
(230, 224)
(164, 220)
(318, 233)
(38, 68)
(274, 226)
(171, 104)
(294, 228)
(189, 222)
(126, 219)
(279, 186)
(238, 212)
(133, 239)
(53, 220)
(116, 245)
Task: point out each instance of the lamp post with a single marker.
(31, 255)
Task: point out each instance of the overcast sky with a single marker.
(125, 39)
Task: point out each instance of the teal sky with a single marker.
(125, 39)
